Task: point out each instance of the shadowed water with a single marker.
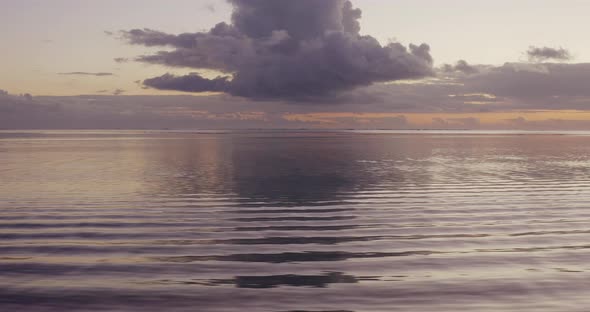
(294, 221)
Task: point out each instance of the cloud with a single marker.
(511, 86)
(86, 74)
(541, 54)
(282, 49)
(121, 59)
(114, 92)
(539, 82)
(420, 106)
(131, 112)
(461, 66)
(189, 83)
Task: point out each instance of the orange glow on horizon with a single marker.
(429, 119)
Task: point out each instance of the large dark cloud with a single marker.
(282, 49)
(546, 54)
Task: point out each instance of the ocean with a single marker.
(278, 221)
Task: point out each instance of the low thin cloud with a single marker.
(541, 54)
(86, 74)
(113, 92)
(121, 59)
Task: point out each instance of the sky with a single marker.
(454, 64)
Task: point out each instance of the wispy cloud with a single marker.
(86, 74)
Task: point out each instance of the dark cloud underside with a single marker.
(282, 49)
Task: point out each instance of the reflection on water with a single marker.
(282, 280)
(294, 221)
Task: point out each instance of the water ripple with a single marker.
(293, 221)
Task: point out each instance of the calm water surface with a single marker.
(294, 221)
